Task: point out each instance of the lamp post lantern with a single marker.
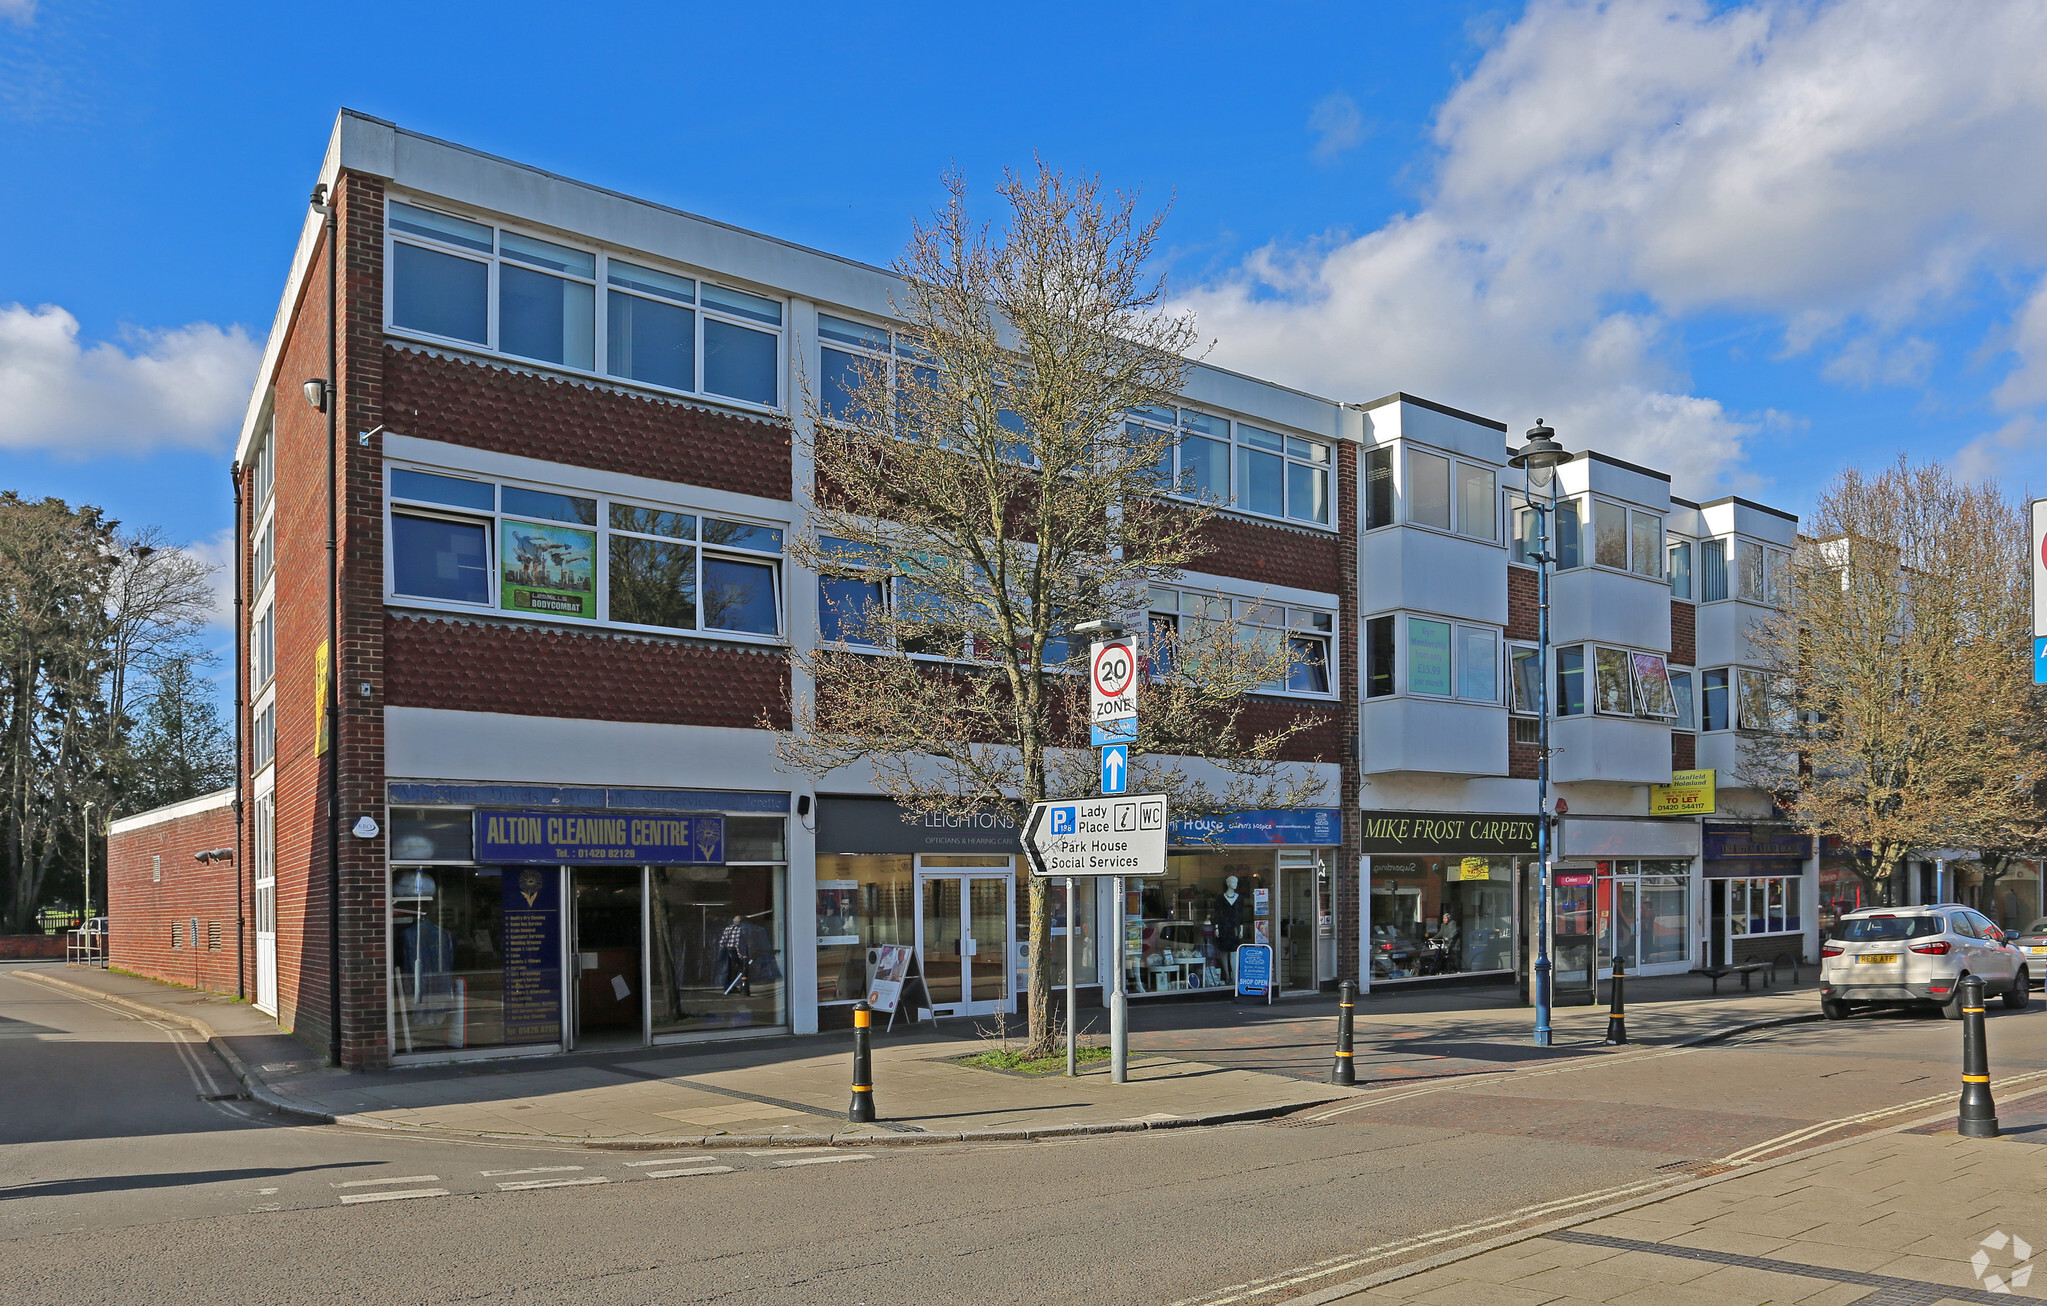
(1539, 460)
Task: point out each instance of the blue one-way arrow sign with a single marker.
(1115, 768)
(2040, 661)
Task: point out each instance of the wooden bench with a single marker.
(1744, 969)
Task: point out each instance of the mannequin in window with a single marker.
(1229, 925)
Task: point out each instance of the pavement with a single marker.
(1192, 1064)
(1914, 1214)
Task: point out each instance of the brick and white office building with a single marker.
(554, 438)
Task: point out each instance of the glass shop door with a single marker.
(965, 939)
(607, 985)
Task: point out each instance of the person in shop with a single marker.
(1444, 938)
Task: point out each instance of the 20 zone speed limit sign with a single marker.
(1112, 673)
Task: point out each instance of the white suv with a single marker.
(1894, 956)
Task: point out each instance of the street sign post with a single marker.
(1098, 836)
(1112, 681)
(2040, 591)
(1115, 768)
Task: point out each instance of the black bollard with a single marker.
(1344, 1072)
(1978, 1118)
(862, 1110)
(1617, 1015)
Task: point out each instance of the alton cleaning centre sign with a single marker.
(587, 838)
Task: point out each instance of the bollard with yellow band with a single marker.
(1617, 1014)
(1344, 1071)
(1978, 1116)
(861, 1112)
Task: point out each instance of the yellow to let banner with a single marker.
(1689, 793)
(1474, 868)
(322, 673)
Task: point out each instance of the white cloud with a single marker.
(18, 11)
(218, 553)
(1609, 170)
(182, 387)
(1337, 124)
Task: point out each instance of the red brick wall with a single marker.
(1523, 760)
(1276, 555)
(1684, 751)
(1684, 633)
(474, 666)
(512, 412)
(32, 947)
(142, 910)
(1524, 613)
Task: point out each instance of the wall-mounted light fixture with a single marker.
(214, 855)
(316, 394)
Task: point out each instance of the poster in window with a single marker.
(838, 912)
(1652, 685)
(550, 570)
(1613, 688)
(1428, 657)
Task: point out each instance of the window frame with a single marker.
(1248, 613)
(1180, 429)
(493, 520)
(1596, 659)
(1402, 669)
(1403, 493)
(600, 282)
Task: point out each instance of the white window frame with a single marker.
(1591, 649)
(1671, 544)
(263, 642)
(263, 733)
(1404, 496)
(1295, 450)
(601, 287)
(1291, 621)
(1403, 668)
(492, 520)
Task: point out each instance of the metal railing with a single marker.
(87, 945)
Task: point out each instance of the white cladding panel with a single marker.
(1419, 734)
(1428, 571)
(1618, 749)
(1723, 631)
(1611, 607)
(1720, 753)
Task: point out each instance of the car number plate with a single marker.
(1875, 958)
(2038, 952)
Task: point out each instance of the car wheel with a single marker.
(1952, 1008)
(1833, 1009)
(2020, 995)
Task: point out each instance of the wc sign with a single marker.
(1112, 679)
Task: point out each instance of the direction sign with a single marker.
(1098, 836)
(2040, 661)
(1115, 732)
(1112, 680)
(1115, 768)
(2040, 569)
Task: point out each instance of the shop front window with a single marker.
(1441, 916)
(863, 903)
(1644, 912)
(1186, 926)
(1084, 965)
(717, 939)
(475, 957)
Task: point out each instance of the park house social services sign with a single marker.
(599, 838)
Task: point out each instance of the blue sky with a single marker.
(1746, 243)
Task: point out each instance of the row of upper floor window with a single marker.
(485, 286)
(461, 543)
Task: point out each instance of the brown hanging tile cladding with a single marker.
(475, 666)
(1322, 741)
(1273, 555)
(1684, 633)
(506, 411)
(1684, 751)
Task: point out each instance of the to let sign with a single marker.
(1112, 680)
(1689, 793)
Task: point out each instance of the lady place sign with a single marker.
(598, 838)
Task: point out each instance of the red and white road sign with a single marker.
(2039, 568)
(1112, 680)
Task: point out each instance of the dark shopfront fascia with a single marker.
(1441, 893)
(527, 919)
(1762, 892)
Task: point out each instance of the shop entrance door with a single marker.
(608, 988)
(1297, 922)
(965, 938)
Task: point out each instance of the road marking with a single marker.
(406, 1179)
(1807, 1133)
(702, 1169)
(1322, 1269)
(789, 1151)
(535, 1169)
(265, 1192)
(1487, 1079)
(349, 1199)
(827, 1160)
(668, 1160)
(552, 1183)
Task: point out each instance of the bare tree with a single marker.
(1894, 706)
(978, 492)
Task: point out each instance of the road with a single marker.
(121, 1182)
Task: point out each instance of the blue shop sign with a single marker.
(1310, 826)
(596, 838)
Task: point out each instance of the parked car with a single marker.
(1918, 956)
(2032, 942)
